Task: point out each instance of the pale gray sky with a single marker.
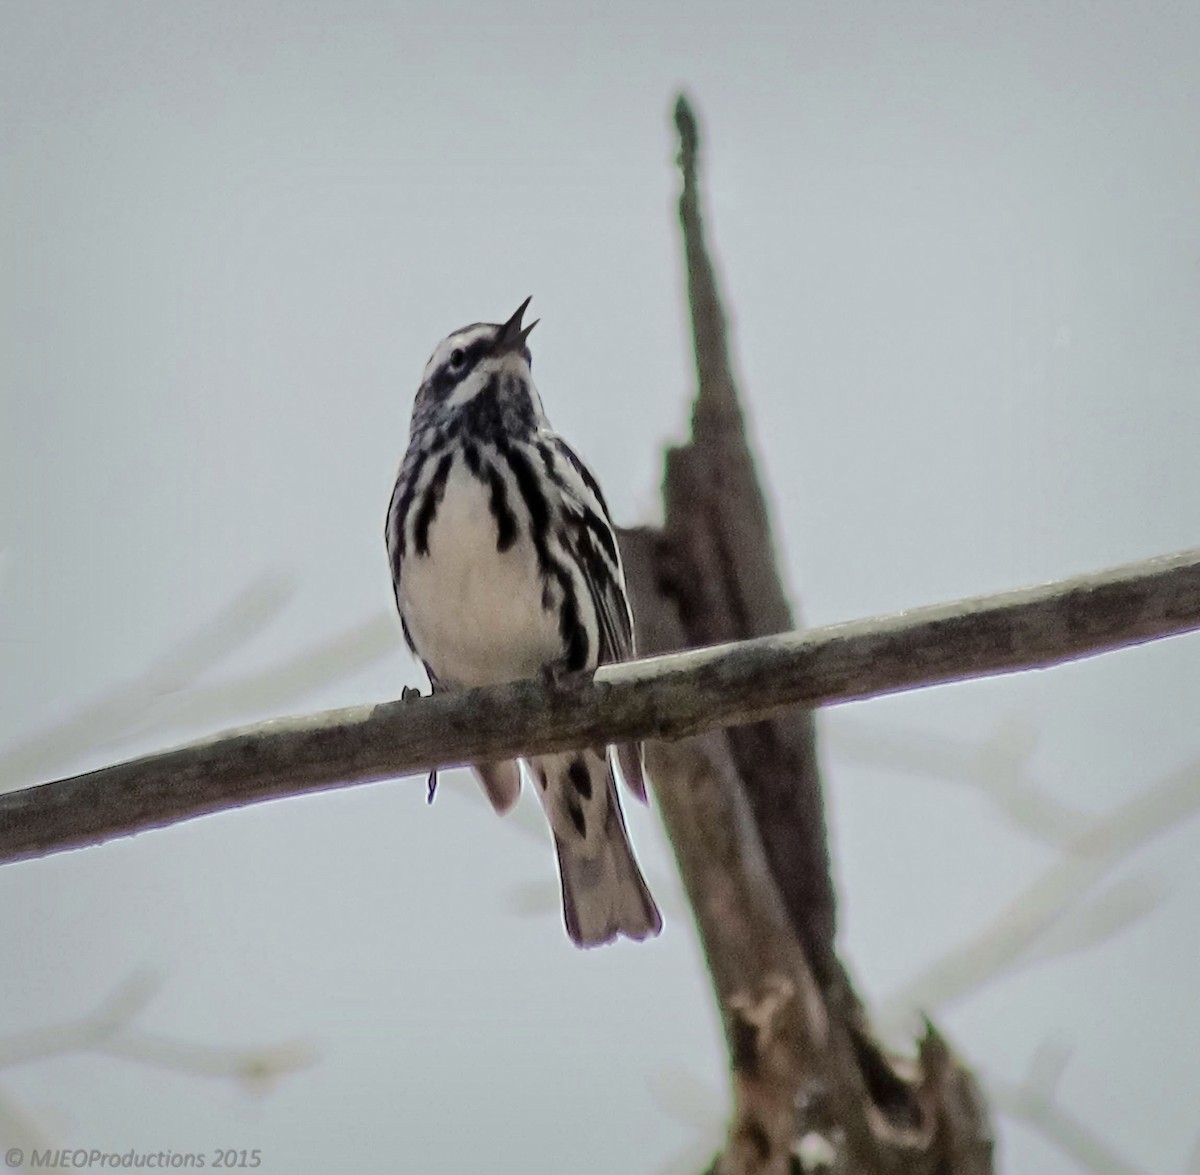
(962, 245)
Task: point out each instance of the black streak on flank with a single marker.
(403, 506)
(614, 639)
(531, 491)
(574, 635)
(430, 502)
(471, 457)
(506, 522)
(576, 814)
(577, 773)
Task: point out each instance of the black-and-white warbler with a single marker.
(505, 566)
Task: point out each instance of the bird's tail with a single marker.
(501, 783)
(604, 893)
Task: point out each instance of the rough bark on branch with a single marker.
(727, 586)
(744, 812)
(664, 697)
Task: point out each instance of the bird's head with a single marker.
(483, 359)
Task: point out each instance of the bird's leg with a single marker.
(410, 693)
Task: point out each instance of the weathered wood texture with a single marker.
(666, 697)
(744, 811)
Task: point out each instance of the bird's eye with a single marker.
(457, 358)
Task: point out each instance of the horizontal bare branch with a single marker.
(659, 697)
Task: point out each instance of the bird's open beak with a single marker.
(512, 333)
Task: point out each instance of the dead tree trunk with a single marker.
(743, 809)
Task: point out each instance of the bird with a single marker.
(505, 566)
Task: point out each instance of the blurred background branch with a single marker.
(110, 1030)
(998, 767)
(1097, 849)
(1033, 1100)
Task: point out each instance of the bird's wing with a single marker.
(591, 533)
(595, 546)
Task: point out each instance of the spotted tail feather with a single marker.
(604, 893)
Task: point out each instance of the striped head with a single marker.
(481, 370)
